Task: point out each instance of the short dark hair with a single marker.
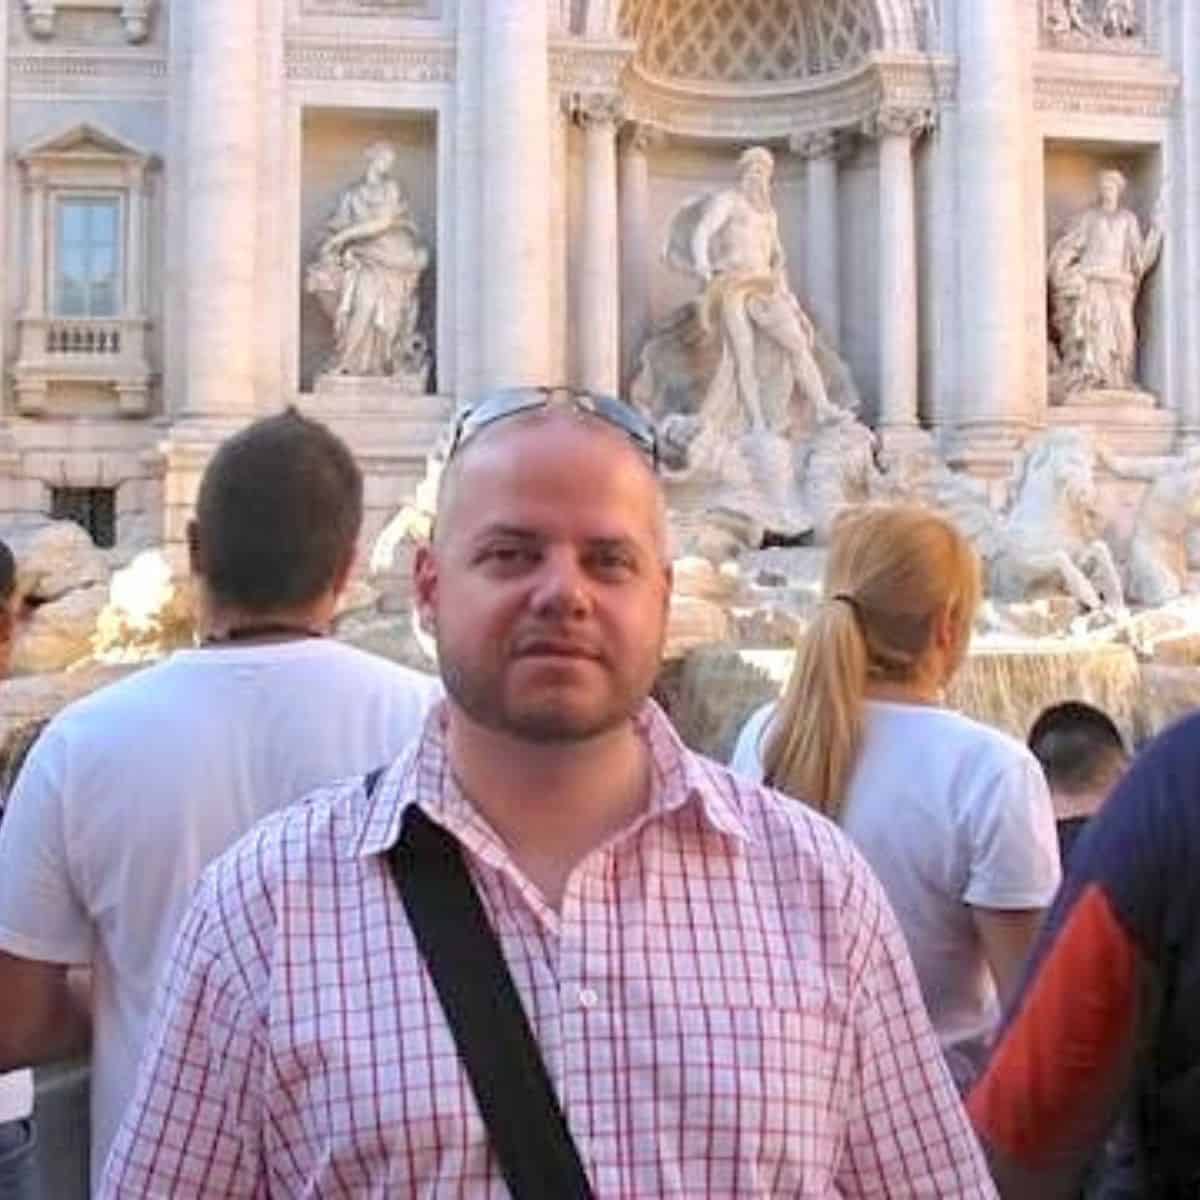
(278, 514)
(8, 573)
(1079, 746)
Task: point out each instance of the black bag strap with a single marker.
(528, 1130)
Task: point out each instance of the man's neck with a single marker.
(551, 803)
(222, 624)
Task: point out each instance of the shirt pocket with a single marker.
(743, 1099)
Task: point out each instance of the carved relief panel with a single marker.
(1096, 25)
(135, 16)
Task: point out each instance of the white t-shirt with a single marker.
(129, 793)
(951, 814)
(16, 1096)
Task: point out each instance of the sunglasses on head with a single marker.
(495, 406)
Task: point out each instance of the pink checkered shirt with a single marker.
(724, 1003)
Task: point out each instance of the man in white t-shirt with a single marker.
(17, 1167)
(131, 792)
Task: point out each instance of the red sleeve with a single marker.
(1062, 1065)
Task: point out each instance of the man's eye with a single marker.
(507, 555)
(612, 561)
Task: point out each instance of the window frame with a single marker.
(56, 197)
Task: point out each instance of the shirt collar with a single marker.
(422, 775)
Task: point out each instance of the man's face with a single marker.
(546, 586)
(1110, 193)
(756, 179)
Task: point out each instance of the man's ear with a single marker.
(196, 561)
(425, 584)
(342, 578)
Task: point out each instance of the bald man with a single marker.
(717, 990)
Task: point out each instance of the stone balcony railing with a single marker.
(105, 354)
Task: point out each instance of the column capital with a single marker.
(595, 109)
(827, 143)
(894, 120)
(637, 137)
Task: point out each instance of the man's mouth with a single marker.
(555, 648)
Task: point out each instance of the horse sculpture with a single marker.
(1049, 540)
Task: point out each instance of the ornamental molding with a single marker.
(375, 62)
(589, 67)
(595, 109)
(87, 74)
(371, 8)
(850, 99)
(1086, 88)
(41, 16)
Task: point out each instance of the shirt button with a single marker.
(588, 998)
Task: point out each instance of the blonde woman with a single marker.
(954, 817)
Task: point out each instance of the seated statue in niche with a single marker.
(1095, 271)
(366, 274)
(739, 377)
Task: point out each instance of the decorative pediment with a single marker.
(86, 143)
(135, 15)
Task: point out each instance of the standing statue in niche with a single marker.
(1095, 271)
(366, 275)
(731, 241)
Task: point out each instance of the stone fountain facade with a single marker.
(960, 262)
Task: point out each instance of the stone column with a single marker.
(1183, 234)
(514, 249)
(992, 214)
(221, 205)
(599, 285)
(35, 299)
(135, 240)
(637, 246)
(822, 285)
(895, 129)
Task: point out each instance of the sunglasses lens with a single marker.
(498, 405)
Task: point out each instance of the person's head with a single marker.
(901, 589)
(1112, 187)
(8, 606)
(277, 519)
(547, 579)
(1080, 748)
(381, 157)
(755, 168)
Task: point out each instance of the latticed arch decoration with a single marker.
(763, 41)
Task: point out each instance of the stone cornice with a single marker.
(845, 100)
(86, 72)
(577, 65)
(432, 61)
(1103, 86)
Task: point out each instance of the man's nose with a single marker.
(561, 588)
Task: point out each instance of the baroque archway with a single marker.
(763, 41)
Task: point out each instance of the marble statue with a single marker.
(365, 275)
(744, 356)
(1050, 538)
(739, 380)
(1168, 514)
(1095, 271)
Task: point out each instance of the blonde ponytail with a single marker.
(812, 757)
(892, 569)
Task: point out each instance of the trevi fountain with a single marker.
(839, 251)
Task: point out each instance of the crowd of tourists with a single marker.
(331, 927)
